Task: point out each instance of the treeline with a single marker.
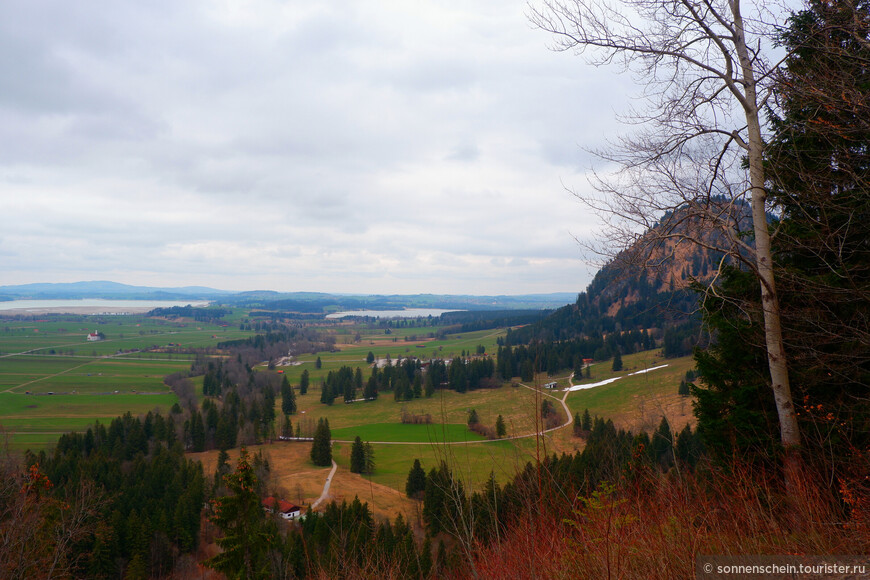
(345, 383)
(472, 320)
(550, 357)
(610, 455)
(408, 380)
(238, 408)
(239, 404)
(145, 496)
(683, 339)
(277, 343)
(200, 314)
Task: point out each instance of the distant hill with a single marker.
(646, 286)
(108, 291)
(305, 302)
(310, 302)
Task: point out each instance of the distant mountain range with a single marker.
(107, 291)
(309, 302)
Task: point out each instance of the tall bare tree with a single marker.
(696, 157)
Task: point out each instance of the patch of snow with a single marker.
(593, 385)
(647, 370)
(614, 379)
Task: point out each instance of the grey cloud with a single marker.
(465, 152)
(330, 139)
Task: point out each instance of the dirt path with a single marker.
(326, 485)
(564, 403)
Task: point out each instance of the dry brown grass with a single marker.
(295, 479)
(385, 502)
(657, 525)
(647, 412)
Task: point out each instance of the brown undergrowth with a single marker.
(654, 525)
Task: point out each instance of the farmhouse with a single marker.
(286, 510)
(93, 336)
(551, 385)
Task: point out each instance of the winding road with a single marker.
(563, 400)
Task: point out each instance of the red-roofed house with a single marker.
(286, 510)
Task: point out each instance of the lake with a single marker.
(94, 305)
(406, 313)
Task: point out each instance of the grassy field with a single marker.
(52, 380)
(99, 381)
(638, 401)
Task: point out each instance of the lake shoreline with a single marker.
(89, 306)
(80, 310)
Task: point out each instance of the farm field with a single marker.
(52, 380)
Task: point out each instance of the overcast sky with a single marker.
(365, 146)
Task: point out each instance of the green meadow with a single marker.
(53, 380)
(637, 400)
(472, 462)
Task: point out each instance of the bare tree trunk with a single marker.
(777, 362)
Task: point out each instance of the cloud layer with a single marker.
(371, 146)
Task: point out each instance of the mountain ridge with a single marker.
(270, 299)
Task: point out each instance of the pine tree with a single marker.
(318, 364)
(500, 429)
(288, 397)
(321, 448)
(327, 395)
(617, 362)
(357, 456)
(369, 458)
(371, 390)
(662, 444)
(246, 538)
(819, 183)
(357, 381)
(416, 482)
(578, 426)
(198, 432)
(303, 382)
(683, 389)
(418, 385)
